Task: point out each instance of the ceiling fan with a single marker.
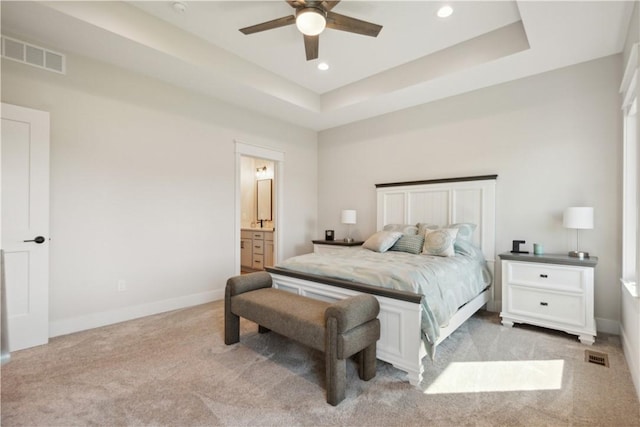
(311, 18)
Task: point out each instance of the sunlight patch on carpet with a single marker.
(516, 375)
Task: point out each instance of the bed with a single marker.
(409, 332)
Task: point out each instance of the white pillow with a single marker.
(382, 240)
(465, 230)
(440, 242)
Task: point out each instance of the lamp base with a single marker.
(578, 254)
(348, 239)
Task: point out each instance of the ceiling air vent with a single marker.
(37, 56)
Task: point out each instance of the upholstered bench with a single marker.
(340, 330)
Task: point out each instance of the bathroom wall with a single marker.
(248, 185)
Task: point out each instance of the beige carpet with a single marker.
(173, 369)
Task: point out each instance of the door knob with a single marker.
(38, 240)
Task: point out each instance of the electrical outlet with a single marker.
(122, 285)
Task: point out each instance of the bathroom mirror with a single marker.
(264, 199)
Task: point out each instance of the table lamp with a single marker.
(348, 217)
(578, 218)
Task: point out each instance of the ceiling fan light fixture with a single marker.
(310, 21)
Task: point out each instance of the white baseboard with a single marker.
(608, 326)
(96, 320)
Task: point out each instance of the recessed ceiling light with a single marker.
(445, 11)
(323, 66)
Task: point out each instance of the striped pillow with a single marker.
(410, 243)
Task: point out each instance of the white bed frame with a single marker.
(444, 201)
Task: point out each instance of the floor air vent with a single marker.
(596, 357)
(36, 56)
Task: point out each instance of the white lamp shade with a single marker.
(578, 217)
(310, 22)
(348, 217)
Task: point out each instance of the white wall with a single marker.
(247, 191)
(633, 34)
(143, 189)
(630, 316)
(553, 139)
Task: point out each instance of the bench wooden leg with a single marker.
(367, 363)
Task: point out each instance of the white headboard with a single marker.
(442, 202)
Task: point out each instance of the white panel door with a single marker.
(25, 223)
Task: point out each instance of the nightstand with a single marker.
(323, 246)
(552, 291)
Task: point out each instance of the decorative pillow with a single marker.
(465, 230)
(424, 226)
(440, 242)
(409, 243)
(403, 228)
(382, 240)
(469, 249)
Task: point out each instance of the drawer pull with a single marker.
(544, 276)
(544, 304)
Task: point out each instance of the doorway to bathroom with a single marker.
(258, 207)
(257, 219)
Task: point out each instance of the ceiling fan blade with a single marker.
(311, 44)
(352, 25)
(269, 25)
(328, 5)
(296, 3)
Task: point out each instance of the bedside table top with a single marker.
(551, 259)
(337, 242)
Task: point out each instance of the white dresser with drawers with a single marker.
(552, 291)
